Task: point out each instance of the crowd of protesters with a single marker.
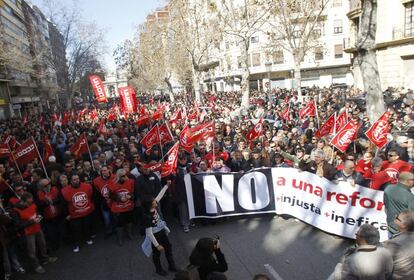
(69, 196)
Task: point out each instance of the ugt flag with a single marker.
(152, 138)
(345, 136)
(308, 111)
(377, 133)
(98, 88)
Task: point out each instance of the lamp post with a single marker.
(268, 66)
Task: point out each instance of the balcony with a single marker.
(349, 45)
(354, 9)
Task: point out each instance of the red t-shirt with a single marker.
(25, 215)
(79, 200)
(362, 166)
(122, 191)
(394, 169)
(50, 211)
(102, 186)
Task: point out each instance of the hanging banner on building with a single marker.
(128, 99)
(98, 88)
(336, 209)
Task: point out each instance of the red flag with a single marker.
(26, 152)
(54, 117)
(177, 116)
(193, 116)
(128, 99)
(47, 150)
(80, 147)
(143, 110)
(308, 111)
(4, 150)
(327, 127)
(345, 136)
(102, 128)
(184, 143)
(377, 133)
(157, 166)
(200, 131)
(11, 141)
(112, 116)
(341, 121)
(171, 164)
(286, 114)
(158, 115)
(152, 138)
(165, 134)
(256, 131)
(98, 88)
(143, 120)
(65, 118)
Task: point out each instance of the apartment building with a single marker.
(394, 42)
(322, 67)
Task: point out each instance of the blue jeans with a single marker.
(109, 218)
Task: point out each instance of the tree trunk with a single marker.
(197, 90)
(297, 78)
(245, 89)
(367, 60)
(170, 89)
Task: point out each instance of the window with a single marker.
(318, 53)
(256, 59)
(278, 57)
(337, 3)
(338, 26)
(409, 19)
(239, 62)
(254, 39)
(339, 51)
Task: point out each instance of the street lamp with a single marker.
(268, 69)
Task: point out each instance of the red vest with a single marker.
(50, 211)
(25, 215)
(102, 186)
(79, 200)
(121, 191)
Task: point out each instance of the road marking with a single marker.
(273, 272)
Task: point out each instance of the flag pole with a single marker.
(317, 113)
(159, 136)
(41, 160)
(90, 155)
(14, 160)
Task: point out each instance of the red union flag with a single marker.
(80, 147)
(98, 88)
(157, 166)
(327, 127)
(11, 141)
(171, 164)
(194, 115)
(200, 131)
(26, 152)
(341, 121)
(152, 138)
(308, 111)
(47, 149)
(143, 120)
(256, 131)
(184, 143)
(377, 133)
(4, 150)
(177, 116)
(345, 136)
(128, 99)
(158, 115)
(286, 114)
(165, 134)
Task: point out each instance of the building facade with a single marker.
(394, 42)
(270, 69)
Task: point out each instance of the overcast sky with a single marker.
(118, 17)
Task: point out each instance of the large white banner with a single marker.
(338, 209)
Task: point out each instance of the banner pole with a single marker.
(317, 113)
(41, 160)
(89, 152)
(14, 160)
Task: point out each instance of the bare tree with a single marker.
(241, 20)
(367, 60)
(84, 41)
(296, 26)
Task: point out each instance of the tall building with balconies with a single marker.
(394, 42)
(269, 69)
(16, 83)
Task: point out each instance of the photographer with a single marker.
(202, 257)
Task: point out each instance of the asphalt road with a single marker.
(286, 249)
